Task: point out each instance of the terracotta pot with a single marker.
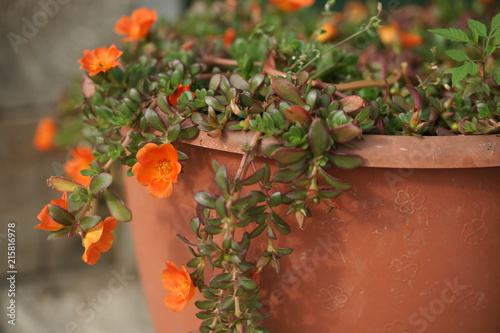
(414, 248)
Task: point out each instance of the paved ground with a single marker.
(102, 299)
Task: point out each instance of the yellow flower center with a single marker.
(164, 166)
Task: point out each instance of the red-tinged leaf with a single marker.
(61, 233)
(286, 175)
(302, 78)
(329, 193)
(345, 133)
(288, 155)
(62, 184)
(297, 194)
(334, 182)
(61, 215)
(351, 103)
(416, 97)
(345, 161)
(287, 90)
(319, 138)
(298, 114)
(238, 82)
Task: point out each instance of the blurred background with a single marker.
(55, 291)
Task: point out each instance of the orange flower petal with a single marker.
(389, 34)
(176, 302)
(229, 37)
(100, 59)
(149, 155)
(329, 32)
(180, 284)
(172, 277)
(172, 99)
(98, 239)
(137, 25)
(81, 159)
(160, 189)
(47, 223)
(410, 40)
(292, 5)
(44, 135)
(157, 167)
(91, 255)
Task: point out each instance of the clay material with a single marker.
(414, 248)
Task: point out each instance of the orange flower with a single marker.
(98, 239)
(392, 34)
(180, 284)
(355, 12)
(137, 25)
(82, 158)
(172, 99)
(44, 135)
(292, 5)
(47, 222)
(389, 33)
(158, 168)
(410, 40)
(228, 38)
(329, 32)
(100, 59)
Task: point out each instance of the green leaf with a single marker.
(221, 179)
(61, 215)
(189, 133)
(161, 101)
(227, 303)
(214, 103)
(154, 120)
(116, 207)
(459, 73)
(205, 305)
(455, 35)
(495, 24)
(204, 315)
(62, 184)
(100, 182)
(212, 229)
(89, 222)
(478, 28)
(280, 224)
(253, 178)
(257, 231)
(248, 284)
(345, 161)
(205, 199)
(286, 175)
(174, 132)
(319, 138)
(64, 232)
(457, 55)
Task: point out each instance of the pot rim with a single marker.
(389, 151)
